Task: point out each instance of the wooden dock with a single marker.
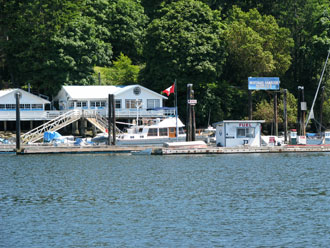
(162, 150)
(233, 150)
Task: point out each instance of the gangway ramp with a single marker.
(51, 126)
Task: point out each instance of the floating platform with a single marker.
(163, 150)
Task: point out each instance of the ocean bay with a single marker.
(106, 200)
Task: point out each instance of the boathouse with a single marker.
(130, 100)
(231, 133)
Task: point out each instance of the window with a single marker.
(82, 104)
(10, 106)
(2, 106)
(153, 103)
(37, 106)
(152, 132)
(181, 131)
(247, 132)
(118, 104)
(163, 132)
(25, 106)
(132, 104)
(102, 104)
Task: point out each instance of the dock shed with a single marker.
(231, 133)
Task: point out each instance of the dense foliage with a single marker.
(213, 44)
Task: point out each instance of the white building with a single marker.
(32, 107)
(237, 133)
(131, 100)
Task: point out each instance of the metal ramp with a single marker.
(51, 126)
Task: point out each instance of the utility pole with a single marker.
(285, 114)
(275, 115)
(189, 123)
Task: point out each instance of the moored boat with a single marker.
(155, 131)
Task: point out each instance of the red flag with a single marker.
(169, 90)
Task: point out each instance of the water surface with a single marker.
(250, 200)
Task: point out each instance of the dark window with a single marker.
(163, 132)
(152, 132)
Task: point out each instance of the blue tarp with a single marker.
(49, 136)
(311, 134)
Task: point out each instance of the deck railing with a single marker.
(51, 114)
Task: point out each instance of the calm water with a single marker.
(253, 200)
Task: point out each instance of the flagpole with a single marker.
(176, 110)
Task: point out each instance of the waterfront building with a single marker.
(231, 133)
(33, 108)
(130, 100)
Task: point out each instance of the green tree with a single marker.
(265, 109)
(185, 42)
(122, 24)
(121, 73)
(257, 46)
(51, 43)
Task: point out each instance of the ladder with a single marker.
(51, 126)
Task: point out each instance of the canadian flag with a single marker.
(169, 90)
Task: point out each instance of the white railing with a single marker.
(52, 125)
(51, 114)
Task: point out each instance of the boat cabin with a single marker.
(231, 133)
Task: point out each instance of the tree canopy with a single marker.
(213, 44)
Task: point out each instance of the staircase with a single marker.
(63, 120)
(51, 126)
(99, 122)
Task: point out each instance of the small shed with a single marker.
(231, 133)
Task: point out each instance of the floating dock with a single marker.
(162, 150)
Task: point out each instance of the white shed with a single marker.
(230, 133)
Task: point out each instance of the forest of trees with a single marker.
(213, 44)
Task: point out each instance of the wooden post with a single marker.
(275, 115)
(189, 119)
(285, 114)
(250, 104)
(321, 111)
(109, 119)
(18, 123)
(193, 120)
(299, 112)
(113, 118)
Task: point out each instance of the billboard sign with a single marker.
(264, 83)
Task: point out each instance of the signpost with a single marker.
(264, 83)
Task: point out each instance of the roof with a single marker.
(99, 91)
(238, 121)
(5, 92)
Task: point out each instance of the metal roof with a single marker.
(9, 91)
(99, 91)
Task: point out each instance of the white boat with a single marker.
(155, 131)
